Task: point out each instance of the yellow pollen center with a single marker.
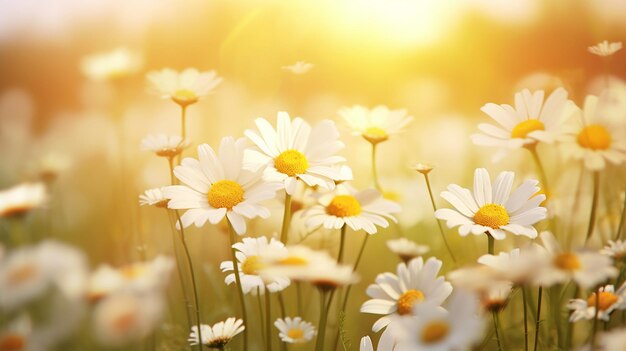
(434, 332)
(407, 300)
(522, 129)
(594, 137)
(12, 342)
(295, 333)
(375, 135)
(344, 206)
(293, 261)
(492, 215)
(607, 300)
(392, 195)
(225, 194)
(291, 162)
(22, 274)
(567, 261)
(251, 265)
(133, 271)
(184, 97)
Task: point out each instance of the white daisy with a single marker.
(415, 283)
(216, 186)
(517, 266)
(375, 125)
(613, 340)
(153, 197)
(22, 198)
(406, 249)
(365, 210)
(300, 67)
(250, 256)
(385, 343)
(594, 139)
(615, 250)
(294, 331)
(164, 145)
(494, 210)
(112, 65)
(586, 268)
(609, 301)
(185, 87)
(495, 297)
(531, 121)
(295, 151)
(605, 48)
(218, 335)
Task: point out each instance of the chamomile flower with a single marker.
(112, 65)
(415, 283)
(532, 120)
(164, 145)
(375, 125)
(21, 199)
(216, 186)
(250, 256)
(496, 297)
(615, 250)
(494, 210)
(153, 197)
(605, 48)
(517, 266)
(294, 330)
(406, 249)
(218, 335)
(295, 151)
(184, 88)
(385, 343)
(594, 139)
(299, 67)
(364, 210)
(609, 301)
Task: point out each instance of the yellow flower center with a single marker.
(291, 162)
(294, 261)
(607, 300)
(184, 97)
(22, 274)
(375, 135)
(392, 195)
(594, 137)
(407, 300)
(567, 261)
(225, 194)
(251, 265)
(522, 129)
(12, 342)
(492, 215)
(124, 321)
(344, 206)
(133, 271)
(295, 333)
(435, 331)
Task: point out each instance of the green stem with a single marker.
(374, 171)
(342, 243)
(525, 319)
(490, 244)
(183, 115)
(321, 329)
(268, 320)
(538, 320)
(595, 320)
(594, 206)
(180, 274)
(284, 233)
(441, 231)
(495, 328)
(261, 318)
(242, 301)
(570, 326)
(622, 219)
(542, 171)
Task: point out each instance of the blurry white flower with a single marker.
(494, 210)
(415, 283)
(112, 65)
(517, 266)
(385, 343)
(294, 331)
(406, 249)
(615, 250)
(299, 67)
(613, 340)
(185, 87)
(218, 335)
(164, 145)
(377, 124)
(295, 151)
(609, 301)
(495, 297)
(216, 186)
(153, 197)
(364, 210)
(531, 121)
(250, 257)
(53, 164)
(605, 48)
(345, 174)
(22, 198)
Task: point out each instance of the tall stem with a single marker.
(374, 171)
(539, 294)
(595, 320)
(490, 244)
(494, 314)
(432, 201)
(542, 171)
(622, 219)
(261, 315)
(525, 319)
(183, 115)
(594, 206)
(284, 233)
(321, 329)
(268, 320)
(342, 243)
(242, 301)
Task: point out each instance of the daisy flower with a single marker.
(385, 343)
(615, 250)
(299, 67)
(218, 335)
(406, 249)
(496, 297)
(21, 199)
(594, 139)
(294, 331)
(153, 197)
(250, 253)
(375, 125)
(184, 88)
(532, 120)
(605, 48)
(112, 65)
(609, 301)
(415, 283)
(216, 186)
(164, 145)
(295, 151)
(586, 268)
(359, 210)
(613, 340)
(494, 210)
(517, 266)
